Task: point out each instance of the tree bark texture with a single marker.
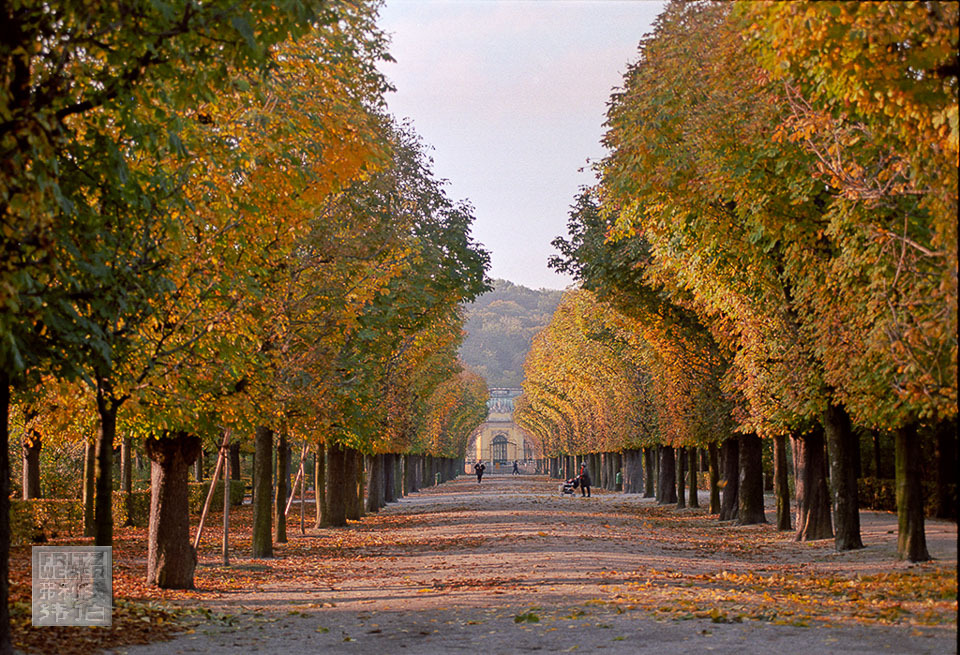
(198, 468)
(813, 496)
(668, 477)
(235, 461)
(171, 559)
(280, 498)
(410, 473)
(103, 472)
(262, 474)
(681, 455)
(877, 471)
(713, 468)
(32, 443)
(320, 485)
(398, 476)
(693, 470)
(648, 470)
(730, 502)
(911, 539)
(89, 486)
(6, 645)
(633, 472)
(750, 494)
(389, 471)
(351, 483)
(336, 485)
(844, 457)
(375, 490)
(126, 465)
(781, 483)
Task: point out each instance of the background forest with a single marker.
(500, 326)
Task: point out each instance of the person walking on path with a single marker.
(584, 481)
(516, 469)
(479, 468)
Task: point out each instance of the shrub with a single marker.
(35, 521)
(133, 511)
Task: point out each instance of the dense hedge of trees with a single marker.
(772, 253)
(209, 226)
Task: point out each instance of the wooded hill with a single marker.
(500, 327)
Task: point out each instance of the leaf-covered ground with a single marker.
(509, 562)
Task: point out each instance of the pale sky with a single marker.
(511, 95)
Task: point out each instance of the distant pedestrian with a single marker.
(479, 468)
(516, 469)
(584, 481)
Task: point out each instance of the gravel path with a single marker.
(509, 566)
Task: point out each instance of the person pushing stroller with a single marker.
(584, 481)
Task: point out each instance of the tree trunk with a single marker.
(781, 484)
(877, 473)
(225, 551)
(32, 443)
(813, 497)
(668, 477)
(336, 485)
(198, 468)
(6, 646)
(350, 480)
(235, 473)
(648, 478)
(103, 471)
(126, 465)
(750, 493)
(627, 466)
(841, 443)
(730, 502)
(89, 486)
(911, 539)
(171, 558)
(713, 468)
(947, 470)
(411, 473)
(389, 473)
(681, 455)
(126, 475)
(693, 472)
(361, 482)
(262, 484)
(288, 469)
(320, 485)
(280, 499)
(375, 491)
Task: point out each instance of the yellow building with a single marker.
(500, 442)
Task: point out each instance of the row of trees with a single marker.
(210, 224)
(773, 238)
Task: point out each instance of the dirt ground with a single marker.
(510, 566)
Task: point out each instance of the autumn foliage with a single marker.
(771, 248)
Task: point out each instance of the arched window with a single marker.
(499, 449)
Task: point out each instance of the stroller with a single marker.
(569, 486)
